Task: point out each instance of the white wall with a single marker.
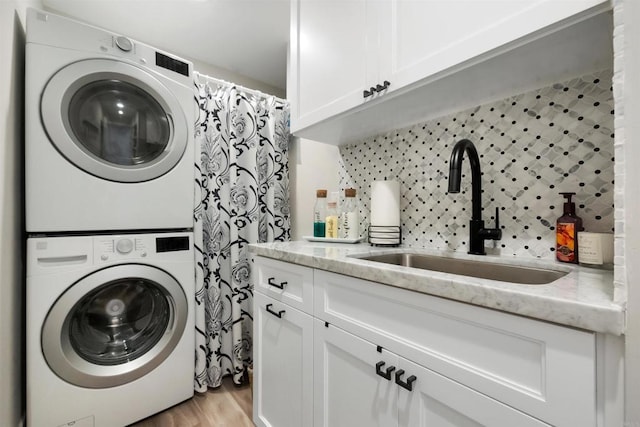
(12, 39)
(312, 166)
(230, 76)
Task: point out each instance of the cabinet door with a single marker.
(348, 391)
(436, 401)
(283, 365)
(333, 57)
(425, 37)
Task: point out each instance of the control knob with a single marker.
(124, 43)
(124, 246)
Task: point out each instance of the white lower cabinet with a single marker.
(283, 365)
(536, 367)
(357, 383)
(359, 353)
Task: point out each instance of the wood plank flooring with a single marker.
(227, 406)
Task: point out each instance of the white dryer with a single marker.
(109, 131)
(110, 327)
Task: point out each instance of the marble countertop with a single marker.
(582, 299)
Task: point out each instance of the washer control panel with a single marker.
(113, 248)
(110, 248)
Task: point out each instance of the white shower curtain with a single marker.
(242, 192)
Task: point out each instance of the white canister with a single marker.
(595, 248)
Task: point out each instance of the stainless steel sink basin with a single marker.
(479, 269)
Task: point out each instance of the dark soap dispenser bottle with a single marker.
(567, 228)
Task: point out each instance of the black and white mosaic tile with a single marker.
(532, 146)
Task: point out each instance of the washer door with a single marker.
(114, 120)
(114, 325)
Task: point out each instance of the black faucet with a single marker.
(477, 233)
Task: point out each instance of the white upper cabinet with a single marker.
(348, 58)
(425, 37)
(335, 56)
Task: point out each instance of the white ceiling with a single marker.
(248, 37)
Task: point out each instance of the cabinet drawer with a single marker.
(536, 367)
(289, 283)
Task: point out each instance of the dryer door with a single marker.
(114, 325)
(114, 120)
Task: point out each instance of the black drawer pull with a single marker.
(278, 314)
(366, 93)
(409, 384)
(384, 374)
(272, 281)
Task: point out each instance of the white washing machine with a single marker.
(109, 131)
(110, 327)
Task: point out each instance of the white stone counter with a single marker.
(582, 299)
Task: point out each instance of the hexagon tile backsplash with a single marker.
(532, 146)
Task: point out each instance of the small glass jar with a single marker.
(320, 214)
(331, 220)
(350, 216)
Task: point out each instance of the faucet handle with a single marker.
(496, 234)
(491, 233)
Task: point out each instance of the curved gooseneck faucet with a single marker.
(477, 233)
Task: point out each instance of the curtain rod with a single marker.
(243, 88)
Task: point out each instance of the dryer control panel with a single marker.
(53, 30)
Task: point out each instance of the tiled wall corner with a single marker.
(619, 278)
(531, 147)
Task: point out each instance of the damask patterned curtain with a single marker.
(242, 186)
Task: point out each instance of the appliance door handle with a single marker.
(62, 260)
(277, 314)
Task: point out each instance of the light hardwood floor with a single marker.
(227, 406)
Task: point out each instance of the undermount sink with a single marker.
(479, 269)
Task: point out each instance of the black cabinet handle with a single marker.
(384, 374)
(383, 86)
(278, 314)
(407, 385)
(272, 281)
(367, 93)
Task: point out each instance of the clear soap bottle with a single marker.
(349, 216)
(320, 214)
(331, 219)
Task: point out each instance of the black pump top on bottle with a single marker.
(569, 207)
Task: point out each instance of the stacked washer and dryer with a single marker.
(109, 195)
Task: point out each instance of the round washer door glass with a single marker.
(114, 325)
(114, 120)
(119, 123)
(119, 321)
